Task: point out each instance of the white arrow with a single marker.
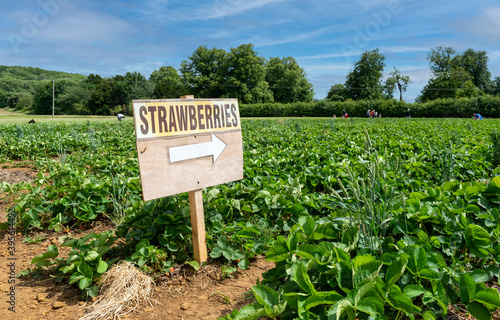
(213, 148)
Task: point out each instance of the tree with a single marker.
(446, 85)
(287, 80)
(476, 64)
(364, 82)
(494, 88)
(167, 83)
(102, 98)
(337, 92)
(396, 79)
(245, 79)
(93, 79)
(442, 60)
(203, 74)
(74, 99)
(137, 87)
(453, 74)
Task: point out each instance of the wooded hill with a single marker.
(18, 84)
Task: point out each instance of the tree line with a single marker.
(454, 75)
(240, 73)
(207, 73)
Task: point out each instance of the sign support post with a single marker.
(198, 225)
(197, 220)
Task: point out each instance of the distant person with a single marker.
(408, 112)
(121, 116)
(344, 114)
(334, 116)
(477, 116)
(368, 113)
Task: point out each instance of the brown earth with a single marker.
(184, 294)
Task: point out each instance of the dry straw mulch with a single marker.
(123, 289)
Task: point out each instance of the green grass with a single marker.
(7, 117)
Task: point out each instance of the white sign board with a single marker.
(187, 144)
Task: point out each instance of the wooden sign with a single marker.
(184, 145)
(187, 144)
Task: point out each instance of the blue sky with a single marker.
(325, 37)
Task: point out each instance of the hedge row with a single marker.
(488, 106)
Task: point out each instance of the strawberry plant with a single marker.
(85, 262)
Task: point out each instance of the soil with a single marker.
(183, 294)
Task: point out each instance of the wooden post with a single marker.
(197, 219)
(198, 225)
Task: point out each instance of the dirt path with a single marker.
(200, 295)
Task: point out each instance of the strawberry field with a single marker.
(363, 218)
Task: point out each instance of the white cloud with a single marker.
(217, 9)
(293, 38)
(86, 27)
(485, 25)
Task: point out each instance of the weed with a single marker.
(227, 271)
(37, 239)
(224, 296)
(495, 140)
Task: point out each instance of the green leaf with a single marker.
(195, 264)
(413, 290)
(477, 235)
(488, 298)
(301, 277)
(493, 187)
(265, 295)
(467, 288)
(480, 276)
(243, 264)
(75, 277)
(84, 283)
(429, 315)
(367, 272)
(428, 274)
(223, 243)
(417, 260)
(373, 305)
(361, 260)
(251, 311)
(236, 255)
(395, 271)
(398, 300)
(91, 256)
(69, 268)
(350, 238)
(51, 253)
(341, 307)
(85, 269)
(361, 291)
(279, 251)
(102, 267)
(322, 298)
(479, 311)
(345, 276)
(92, 291)
(216, 252)
(307, 225)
